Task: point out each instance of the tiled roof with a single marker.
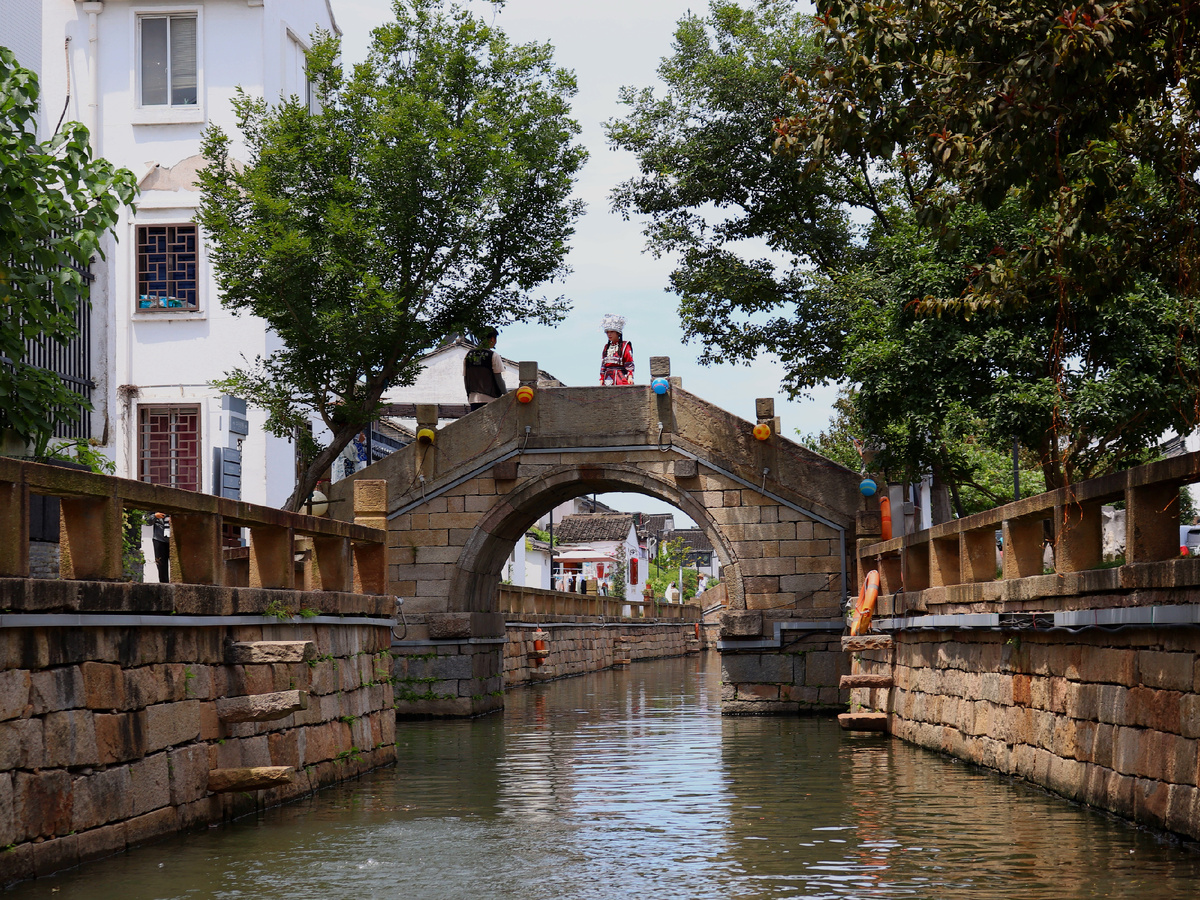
(693, 539)
(652, 524)
(599, 527)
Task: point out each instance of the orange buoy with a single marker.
(524, 393)
(762, 431)
(539, 652)
(885, 515)
(864, 608)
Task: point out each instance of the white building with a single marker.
(146, 78)
(441, 380)
(591, 544)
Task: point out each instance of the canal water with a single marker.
(629, 783)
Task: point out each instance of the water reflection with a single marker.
(628, 784)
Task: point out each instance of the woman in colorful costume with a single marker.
(616, 362)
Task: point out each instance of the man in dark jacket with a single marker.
(483, 372)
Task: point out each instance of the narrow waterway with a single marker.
(630, 784)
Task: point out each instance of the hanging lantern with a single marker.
(660, 385)
(524, 393)
(762, 431)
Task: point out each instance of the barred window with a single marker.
(166, 267)
(169, 446)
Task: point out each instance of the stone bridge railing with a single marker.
(519, 601)
(129, 711)
(1084, 679)
(953, 567)
(339, 556)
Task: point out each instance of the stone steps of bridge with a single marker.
(858, 643)
(863, 721)
(865, 681)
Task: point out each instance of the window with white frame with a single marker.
(168, 60)
(166, 267)
(297, 81)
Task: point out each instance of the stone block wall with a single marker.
(109, 730)
(800, 677)
(447, 678)
(468, 676)
(43, 559)
(1102, 718)
(579, 648)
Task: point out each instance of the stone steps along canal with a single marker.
(629, 783)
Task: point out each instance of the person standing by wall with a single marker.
(161, 538)
(483, 372)
(616, 360)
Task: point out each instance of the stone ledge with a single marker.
(866, 642)
(863, 721)
(249, 778)
(269, 652)
(262, 707)
(39, 595)
(865, 681)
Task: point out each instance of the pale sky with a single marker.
(610, 44)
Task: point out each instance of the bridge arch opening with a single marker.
(480, 566)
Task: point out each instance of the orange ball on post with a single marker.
(524, 393)
(762, 431)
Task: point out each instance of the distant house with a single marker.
(588, 545)
(441, 379)
(699, 550)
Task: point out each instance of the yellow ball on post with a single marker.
(426, 436)
(524, 393)
(762, 431)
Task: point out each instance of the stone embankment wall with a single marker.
(450, 674)
(130, 711)
(799, 677)
(1106, 718)
(579, 648)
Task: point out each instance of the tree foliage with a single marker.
(56, 205)
(1085, 112)
(964, 299)
(430, 194)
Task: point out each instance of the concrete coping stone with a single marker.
(73, 620)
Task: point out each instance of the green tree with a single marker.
(713, 193)
(56, 205)
(430, 194)
(892, 308)
(1085, 112)
(1073, 129)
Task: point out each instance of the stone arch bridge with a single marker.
(781, 517)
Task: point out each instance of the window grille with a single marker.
(166, 267)
(169, 446)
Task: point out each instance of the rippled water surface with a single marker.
(630, 784)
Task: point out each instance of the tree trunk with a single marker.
(307, 482)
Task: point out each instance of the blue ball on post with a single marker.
(868, 487)
(660, 385)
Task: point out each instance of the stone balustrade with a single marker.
(524, 602)
(339, 556)
(952, 567)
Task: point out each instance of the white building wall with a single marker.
(22, 32)
(167, 356)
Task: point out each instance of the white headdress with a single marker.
(613, 323)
